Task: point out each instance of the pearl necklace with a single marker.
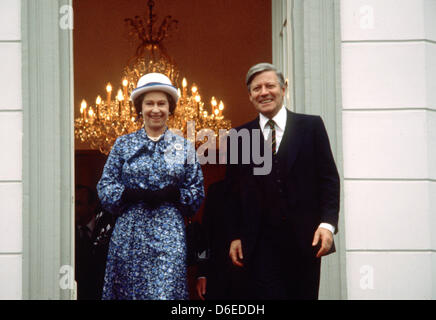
(154, 138)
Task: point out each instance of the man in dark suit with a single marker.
(92, 235)
(287, 217)
(217, 278)
(86, 209)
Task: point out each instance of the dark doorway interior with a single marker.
(215, 44)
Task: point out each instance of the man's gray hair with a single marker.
(261, 67)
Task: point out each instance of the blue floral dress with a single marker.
(147, 250)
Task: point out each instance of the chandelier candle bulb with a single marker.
(126, 97)
(194, 89)
(97, 105)
(198, 99)
(83, 109)
(120, 96)
(120, 99)
(125, 83)
(221, 108)
(91, 115)
(184, 84)
(109, 94)
(214, 103)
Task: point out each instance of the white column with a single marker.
(389, 145)
(11, 131)
(48, 165)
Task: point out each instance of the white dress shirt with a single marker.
(280, 125)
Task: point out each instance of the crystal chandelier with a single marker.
(102, 123)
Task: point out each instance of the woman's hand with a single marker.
(131, 195)
(152, 198)
(169, 193)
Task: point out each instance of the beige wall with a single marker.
(215, 44)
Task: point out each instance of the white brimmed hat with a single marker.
(154, 82)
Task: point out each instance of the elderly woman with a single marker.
(151, 180)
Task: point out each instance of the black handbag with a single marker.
(104, 225)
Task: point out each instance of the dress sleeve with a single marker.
(192, 187)
(110, 187)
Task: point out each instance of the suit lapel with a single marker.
(291, 141)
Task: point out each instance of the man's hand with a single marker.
(235, 253)
(201, 287)
(326, 238)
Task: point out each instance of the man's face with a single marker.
(266, 94)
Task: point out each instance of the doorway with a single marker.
(209, 35)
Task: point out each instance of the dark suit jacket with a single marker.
(217, 267)
(91, 255)
(311, 183)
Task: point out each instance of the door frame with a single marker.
(306, 42)
(307, 47)
(48, 145)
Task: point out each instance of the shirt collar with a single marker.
(161, 144)
(279, 119)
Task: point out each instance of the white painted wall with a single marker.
(389, 145)
(11, 131)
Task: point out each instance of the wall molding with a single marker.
(408, 109)
(391, 41)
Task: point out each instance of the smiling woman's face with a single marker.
(155, 111)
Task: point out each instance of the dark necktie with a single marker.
(271, 124)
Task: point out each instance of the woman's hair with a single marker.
(138, 102)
